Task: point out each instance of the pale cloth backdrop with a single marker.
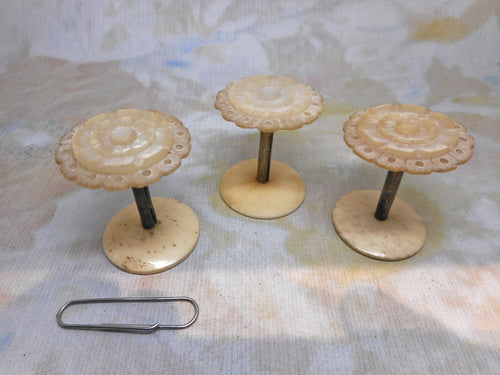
(284, 296)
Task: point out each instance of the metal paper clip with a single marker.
(132, 328)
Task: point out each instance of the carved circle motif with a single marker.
(122, 149)
(409, 138)
(269, 103)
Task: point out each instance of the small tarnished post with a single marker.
(145, 207)
(388, 194)
(264, 162)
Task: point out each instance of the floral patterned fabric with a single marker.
(284, 296)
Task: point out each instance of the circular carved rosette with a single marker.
(408, 138)
(269, 103)
(122, 149)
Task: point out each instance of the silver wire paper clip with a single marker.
(132, 328)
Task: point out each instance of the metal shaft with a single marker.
(264, 162)
(388, 194)
(145, 207)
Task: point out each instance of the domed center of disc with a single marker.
(409, 128)
(123, 135)
(269, 93)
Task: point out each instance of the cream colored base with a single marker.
(399, 237)
(281, 195)
(134, 249)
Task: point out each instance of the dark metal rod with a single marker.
(388, 194)
(145, 207)
(264, 163)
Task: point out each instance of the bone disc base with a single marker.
(281, 195)
(136, 250)
(400, 236)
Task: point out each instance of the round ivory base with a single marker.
(398, 237)
(281, 195)
(134, 249)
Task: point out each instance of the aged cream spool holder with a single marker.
(132, 148)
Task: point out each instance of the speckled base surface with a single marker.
(281, 195)
(134, 249)
(399, 237)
